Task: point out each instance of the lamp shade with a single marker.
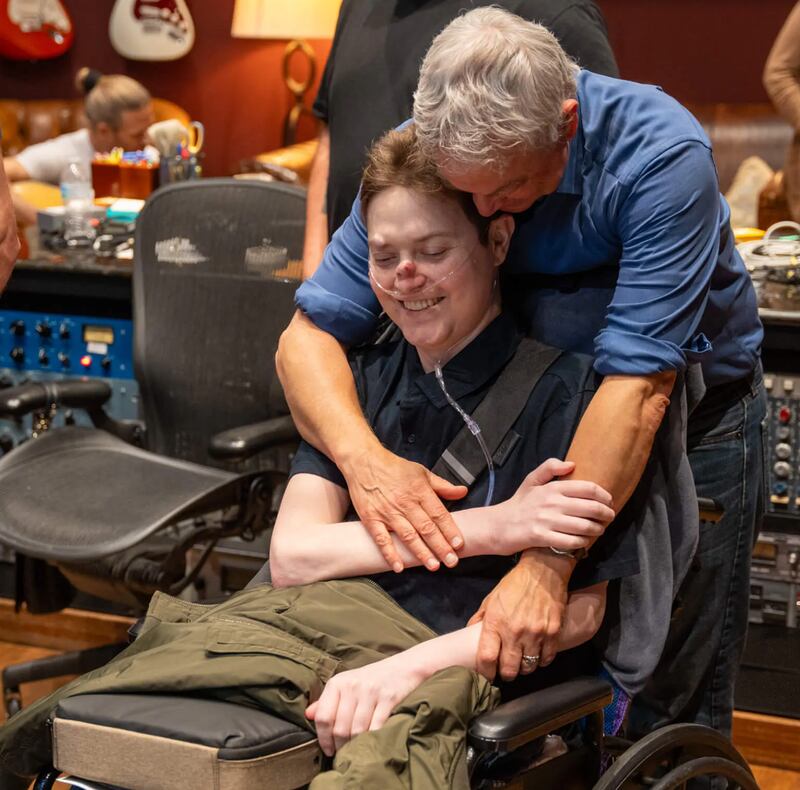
(285, 19)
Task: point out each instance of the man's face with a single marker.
(513, 188)
(133, 127)
(524, 177)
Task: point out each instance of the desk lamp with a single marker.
(295, 20)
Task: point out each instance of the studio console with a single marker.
(775, 575)
(41, 346)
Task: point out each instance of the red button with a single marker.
(785, 414)
(86, 361)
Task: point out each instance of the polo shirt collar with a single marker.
(473, 366)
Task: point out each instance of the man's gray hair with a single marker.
(491, 85)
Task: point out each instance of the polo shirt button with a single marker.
(411, 438)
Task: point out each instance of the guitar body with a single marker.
(151, 29)
(34, 29)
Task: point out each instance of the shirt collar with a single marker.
(473, 366)
(570, 183)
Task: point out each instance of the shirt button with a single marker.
(411, 438)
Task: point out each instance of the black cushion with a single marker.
(77, 494)
(239, 732)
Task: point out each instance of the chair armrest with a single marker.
(247, 440)
(534, 715)
(18, 401)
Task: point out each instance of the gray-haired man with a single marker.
(612, 180)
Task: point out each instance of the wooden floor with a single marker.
(769, 778)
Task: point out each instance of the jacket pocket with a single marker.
(242, 636)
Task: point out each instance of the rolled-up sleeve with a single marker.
(338, 298)
(669, 226)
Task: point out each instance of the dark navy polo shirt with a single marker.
(639, 197)
(409, 414)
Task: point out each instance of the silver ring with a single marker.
(530, 661)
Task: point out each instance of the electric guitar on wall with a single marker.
(34, 29)
(151, 29)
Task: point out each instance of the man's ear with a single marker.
(570, 110)
(500, 231)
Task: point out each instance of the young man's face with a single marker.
(430, 272)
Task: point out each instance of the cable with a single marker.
(474, 429)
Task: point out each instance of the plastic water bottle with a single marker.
(78, 197)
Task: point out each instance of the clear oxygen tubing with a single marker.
(393, 292)
(474, 429)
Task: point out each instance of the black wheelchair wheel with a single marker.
(672, 755)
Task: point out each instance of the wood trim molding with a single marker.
(767, 740)
(69, 629)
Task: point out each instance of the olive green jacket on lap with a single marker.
(275, 649)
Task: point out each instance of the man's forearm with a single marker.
(316, 235)
(582, 618)
(615, 435)
(614, 438)
(319, 386)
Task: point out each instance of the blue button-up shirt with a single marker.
(639, 198)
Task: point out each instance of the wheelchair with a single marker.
(154, 742)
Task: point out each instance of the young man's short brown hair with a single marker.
(396, 160)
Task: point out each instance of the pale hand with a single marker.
(361, 699)
(391, 494)
(564, 514)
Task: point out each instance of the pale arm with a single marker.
(362, 699)
(316, 236)
(312, 543)
(782, 69)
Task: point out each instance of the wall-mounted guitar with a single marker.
(151, 29)
(34, 29)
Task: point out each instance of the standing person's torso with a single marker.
(369, 83)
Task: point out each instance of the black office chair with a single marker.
(115, 508)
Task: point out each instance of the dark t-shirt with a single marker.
(409, 414)
(374, 63)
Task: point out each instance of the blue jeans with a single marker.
(695, 678)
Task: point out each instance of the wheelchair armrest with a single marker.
(534, 715)
(18, 401)
(239, 443)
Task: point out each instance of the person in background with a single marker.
(782, 83)
(369, 81)
(118, 110)
(9, 242)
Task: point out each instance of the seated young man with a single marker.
(396, 669)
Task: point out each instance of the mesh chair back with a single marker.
(216, 267)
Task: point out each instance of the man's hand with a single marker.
(564, 514)
(523, 615)
(391, 494)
